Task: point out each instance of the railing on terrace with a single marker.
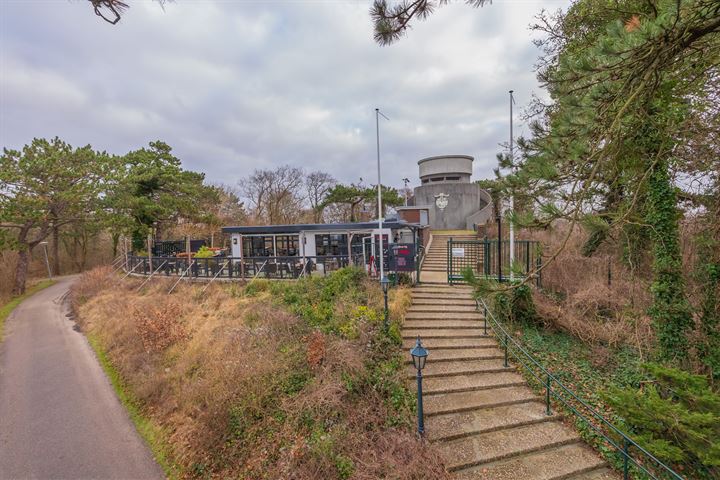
(631, 454)
(168, 248)
(481, 256)
(238, 268)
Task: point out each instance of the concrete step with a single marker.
(441, 323)
(446, 403)
(446, 294)
(465, 367)
(452, 426)
(451, 343)
(488, 447)
(574, 461)
(443, 308)
(469, 383)
(600, 473)
(472, 315)
(465, 302)
(426, 333)
(459, 288)
(459, 354)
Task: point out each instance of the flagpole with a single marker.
(379, 194)
(512, 196)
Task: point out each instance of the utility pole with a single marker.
(512, 196)
(379, 190)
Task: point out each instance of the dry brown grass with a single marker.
(245, 389)
(579, 298)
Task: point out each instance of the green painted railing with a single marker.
(630, 452)
(481, 256)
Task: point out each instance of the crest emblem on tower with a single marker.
(441, 200)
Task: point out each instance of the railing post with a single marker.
(450, 260)
(485, 313)
(547, 396)
(527, 258)
(626, 464)
(506, 351)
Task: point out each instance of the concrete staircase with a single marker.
(434, 266)
(486, 421)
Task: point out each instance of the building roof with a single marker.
(324, 227)
(442, 157)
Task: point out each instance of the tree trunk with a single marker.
(56, 249)
(21, 272)
(115, 242)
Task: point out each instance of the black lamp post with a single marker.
(419, 355)
(385, 283)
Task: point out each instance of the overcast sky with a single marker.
(236, 85)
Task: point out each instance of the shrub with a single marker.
(159, 327)
(204, 252)
(676, 417)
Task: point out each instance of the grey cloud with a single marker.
(234, 86)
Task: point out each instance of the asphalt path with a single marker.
(59, 415)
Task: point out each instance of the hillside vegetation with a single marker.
(293, 380)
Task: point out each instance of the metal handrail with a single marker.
(216, 275)
(181, 277)
(258, 272)
(133, 269)
(627, 442)
(120, 266)
(151, 275)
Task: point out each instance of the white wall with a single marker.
(235, 245)
(309, 244)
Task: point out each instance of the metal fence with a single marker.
(171, 248)
(481, 256)
(238, 268)
(633, 458)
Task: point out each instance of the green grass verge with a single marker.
(7, 309)
(152, 434)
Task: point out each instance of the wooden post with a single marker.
(125, 247)
(242, 262)
(349, 248)
(149, 248)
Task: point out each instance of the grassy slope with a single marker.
(278, 379)
(7, 309)
(153, 435)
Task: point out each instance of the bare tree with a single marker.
(317, 186)
(276, 196)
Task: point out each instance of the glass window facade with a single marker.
(287, 245)
(332, 244)
(258, 246)
(262, 246)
